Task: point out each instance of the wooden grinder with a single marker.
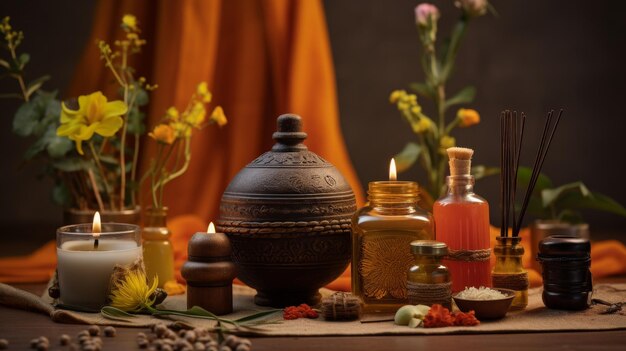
(209, 272)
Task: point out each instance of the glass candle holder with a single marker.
(84, 269)
(509, 273)
(381, 253)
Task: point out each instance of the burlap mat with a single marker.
(535, 318)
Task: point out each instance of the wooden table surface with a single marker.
(19, 327)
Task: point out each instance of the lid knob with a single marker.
(289, 136)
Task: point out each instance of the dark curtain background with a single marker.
(535, 56)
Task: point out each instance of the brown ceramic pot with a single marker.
(287, 215)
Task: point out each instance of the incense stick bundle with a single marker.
(511, 137)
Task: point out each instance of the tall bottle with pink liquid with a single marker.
(462, 222)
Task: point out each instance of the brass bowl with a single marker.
(487, 309)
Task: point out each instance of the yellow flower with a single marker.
(218, 116)
(423, 125)
(181, 129)
(203, 91)
(172, 113)
(132, 293)
(94, 115)
(130, 22)
(163, 133)
(446, 142)
(467, 117)
(196, 117)
(396, 95)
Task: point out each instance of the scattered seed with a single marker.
(83, 332)
(225, 348)
(94, 330)
(34, 342)
(109, 331)
(166, 347)
(65, 339)
(242, 347)
(42, 346)
(160, 329)
(142, 343)
(199, 346)
(4, 344)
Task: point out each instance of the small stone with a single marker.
(166, 347)
(97, 340)
(83, 332)
(231, 341)
(83, 339)
(199, 346)
(141, 335)
(225, 348)
(142, 343)
(44, 340)
(109, 331)
(89, 347)
(243, 347)
(65, 339)
(42, 346)
(4, 344)
(34, 342)
(94, 330)
(160, 329)
(213, 343)
(190, 336)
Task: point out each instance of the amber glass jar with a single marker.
(382, 232)
(158, 254)
(508, 272)
(429, 280)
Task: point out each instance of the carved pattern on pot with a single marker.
(300, 250)
(305, 158)
(239, 210)
(285, 229)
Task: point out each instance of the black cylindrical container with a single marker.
(565, 262)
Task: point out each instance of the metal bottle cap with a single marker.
(429, 248)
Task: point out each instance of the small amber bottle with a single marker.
(382, 232)
(509, 273)
(429, 280)
(158, 254)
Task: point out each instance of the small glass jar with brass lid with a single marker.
(429, 280)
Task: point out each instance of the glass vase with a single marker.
(158, 254)
(509, 272)
(382, 232)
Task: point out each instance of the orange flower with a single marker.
(467, 117)
(163, 133)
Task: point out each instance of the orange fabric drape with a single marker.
(260, 59)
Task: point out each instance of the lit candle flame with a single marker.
(211, 228)
(392, 170)
(96, 228)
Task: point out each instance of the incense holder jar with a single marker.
(567, 283)
(209, 273)
(508, 272)
(381, 244)
(287, 215)
(429, 280)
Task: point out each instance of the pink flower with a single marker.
(426, 12)
(473, 8)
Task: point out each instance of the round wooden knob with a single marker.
(289, 136)
(209, 247)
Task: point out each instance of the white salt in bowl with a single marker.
(486, 309)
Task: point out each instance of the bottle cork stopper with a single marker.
(460, 160)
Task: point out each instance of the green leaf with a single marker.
(58, 146)
(36, 84)
(481, 171)
(523, 179)
(142, 97)
(61, 195)
(111, 312)
(550, 197)
(135, 122)
(26, 119)
(593, 201)
(423, 89)
(466, 95)
(23, 60)
(71, 164)
(258, 315)
(407, 157)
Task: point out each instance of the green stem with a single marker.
(155, 203)
(105, 182)
(185, 166)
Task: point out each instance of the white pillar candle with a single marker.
(85, 273)
(86, 257)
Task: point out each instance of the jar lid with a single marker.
(564, 246)
(429, 248)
